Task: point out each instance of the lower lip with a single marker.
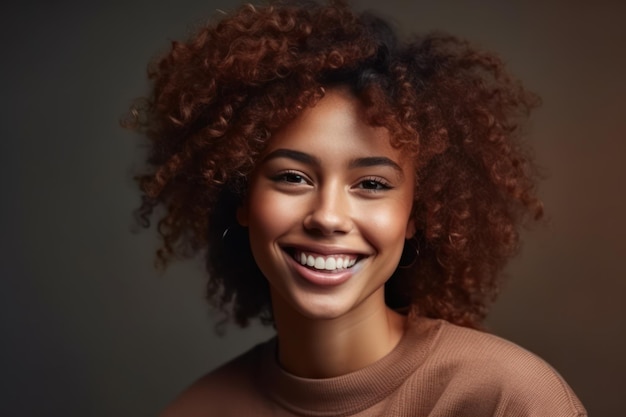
(319, 278)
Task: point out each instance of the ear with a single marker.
(242, 214)
(410, 229)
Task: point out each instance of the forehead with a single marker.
(336, 124)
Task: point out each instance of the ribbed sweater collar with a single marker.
(351, 393)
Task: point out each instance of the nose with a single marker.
(330, 212)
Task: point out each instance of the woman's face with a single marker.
(328, 210)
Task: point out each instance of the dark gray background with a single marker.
(90, 329)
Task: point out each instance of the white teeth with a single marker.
(319, 263)
(329, 263)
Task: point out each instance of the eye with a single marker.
(374, 184)
(291, 177)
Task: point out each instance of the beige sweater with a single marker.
(437, 370)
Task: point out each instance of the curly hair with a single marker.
(217, 98)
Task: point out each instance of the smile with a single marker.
(329, 263)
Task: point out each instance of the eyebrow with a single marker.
(371, 161)
(308, 159)
(303, 157)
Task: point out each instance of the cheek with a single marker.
(269, 216)
(387, 223)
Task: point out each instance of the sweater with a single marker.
(436, 370)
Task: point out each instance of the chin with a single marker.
(322, 311)
(335, 306)
(325, 313)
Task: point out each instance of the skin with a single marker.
(329, 185)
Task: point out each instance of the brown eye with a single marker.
(374, 184)
(295, 178)
(291, 178)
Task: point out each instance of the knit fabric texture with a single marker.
(436, 370)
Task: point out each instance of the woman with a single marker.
(361, 194)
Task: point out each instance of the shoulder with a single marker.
(221, 392)
(490, 355)
(476, 364)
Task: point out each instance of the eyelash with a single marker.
(379, 183)
(286, 176)
(296, 178)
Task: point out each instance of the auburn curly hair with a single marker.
(217, 98)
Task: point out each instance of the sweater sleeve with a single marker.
(535, 389)
(489, 376)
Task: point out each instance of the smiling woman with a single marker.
(329, 191)
(360, 193)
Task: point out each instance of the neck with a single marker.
(315, 348)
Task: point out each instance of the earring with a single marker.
(410, 254)
(233, 235)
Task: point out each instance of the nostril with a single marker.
(327, 223)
